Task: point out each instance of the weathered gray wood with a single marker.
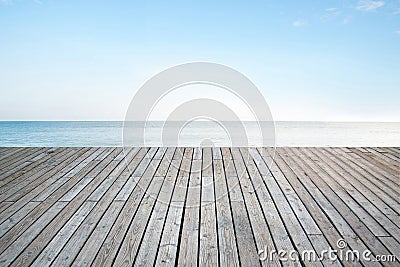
(96, 239)
(348, 217)
(22, 162)
(18, 155)
(167, 251)
(15, 231)
(208, 247)
(31, 169)
(261, 232)
(147, 250)
(369, 174)
(268, 192)
(16, 217)
(56, 244)
(369, 190)
(24, 183)
(127, 252)
(348, 199)
(228, 253)
(244, 235)
(25, 238)
(195, 206)
(168, 246)
(378, 217)
(111, 246)
(375, 166)
(121, 172)
(75, 243)
(101, 171)
(189, 245)
(332, 229)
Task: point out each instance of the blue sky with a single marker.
(312, 60)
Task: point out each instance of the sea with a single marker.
(110, 133)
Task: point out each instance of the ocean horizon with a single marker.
(110, 133)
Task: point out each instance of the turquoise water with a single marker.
(106, 133)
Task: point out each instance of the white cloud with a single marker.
(330, 13)
(7, 2)
(369, 5)
(299, 23)
(332, 9)
(347, 19)
(397, 32)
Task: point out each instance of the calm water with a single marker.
(286, 134)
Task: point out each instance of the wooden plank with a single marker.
(76, 189)
(4, 205)
(163, 168)
(13, 179)
(28, 180)
(270, 187)
(18, 155)
(178, 153)
(108, 251)
(392, 245)
(9, 152)
(374, 194)
(387, 153)
(393, 151)
(56, 244)
(216, 153)
(48, 232)
(246, 244)
(208, 246)
(95, 240)
(380, 160)
(130, 244)
(206, 167)
(167, 251)
(71, 249)
(168, 247)
(375, 165)
(370, 176)
(20, 227)
(26, 237)
(329, 177)
(26, 157)
(348, 216)
(227, 249)
(199, 206)
(78, 164)
(327, 218)
(50, 184)
(22, 162)
(259, 226)
(126, 191)
(147, 251)
(376, 208)
(197, 153)
(189, 241)
(16, 217)
(293, 223)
